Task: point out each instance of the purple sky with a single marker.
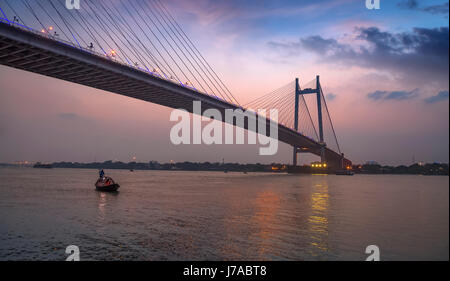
(385, 73)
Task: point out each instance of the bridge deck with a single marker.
(32, 52)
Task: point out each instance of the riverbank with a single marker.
(415, 169)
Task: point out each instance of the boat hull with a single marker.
(108, 188)
(106, 184)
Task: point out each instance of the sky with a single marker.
(384, 73)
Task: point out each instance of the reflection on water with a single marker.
(266, 205)
(176, 215)
(318, 220)
(101, 205)
(103, 198)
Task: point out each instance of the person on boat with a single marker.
(102, 173)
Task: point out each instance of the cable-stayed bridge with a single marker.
(137, 49)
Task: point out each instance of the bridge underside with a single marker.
(34, 53)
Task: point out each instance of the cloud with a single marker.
(394, 95)
(331, 97)
(432, 9)
(441, 96)
(408, 4)
(245, 17)
(74, 118)
(319, 44)
(421, 54)
(437, 9)
(68, 116)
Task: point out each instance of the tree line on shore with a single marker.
(424, 169)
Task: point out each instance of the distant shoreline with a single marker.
(415, 169)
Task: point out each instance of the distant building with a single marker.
(154, 165)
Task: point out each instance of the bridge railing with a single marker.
(45, 34)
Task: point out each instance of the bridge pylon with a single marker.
(299, 92)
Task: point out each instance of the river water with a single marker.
(178, 215)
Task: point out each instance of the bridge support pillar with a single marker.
(319, 95)
(294, 156)
(319, 113)
(297, 90)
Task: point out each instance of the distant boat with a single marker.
(345, 173)
(106, 184)
(131, 170)
(42, 166)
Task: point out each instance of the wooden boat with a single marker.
(106, 184)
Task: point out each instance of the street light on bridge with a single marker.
(319, 165)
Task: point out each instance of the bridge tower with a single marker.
(318, 93)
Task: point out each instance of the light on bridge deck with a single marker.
(319, 165)
(278, 168)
